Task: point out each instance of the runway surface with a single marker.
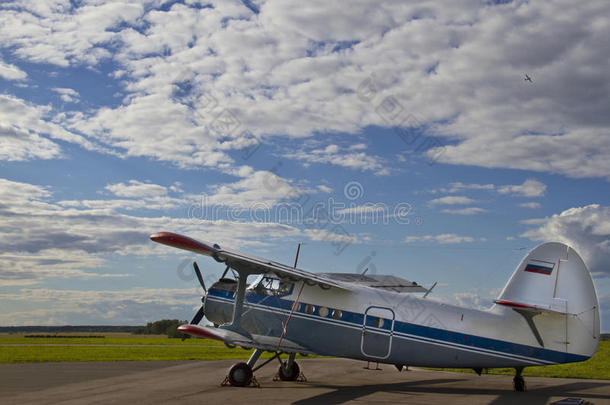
(330, 381)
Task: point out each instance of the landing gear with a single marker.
(240, 375)
(289, 373)
(518, 381)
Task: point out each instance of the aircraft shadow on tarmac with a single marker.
(540, 396)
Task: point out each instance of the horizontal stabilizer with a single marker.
(558, 309)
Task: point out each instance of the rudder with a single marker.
(552, 288)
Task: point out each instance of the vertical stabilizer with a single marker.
(553, 290)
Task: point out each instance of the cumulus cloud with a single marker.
(197, 78)
(464, 211)
(62, 33)
(352, 158)
(66, 94)
(43, 239)
(531, 204)
(136, 189)
(106, 307)
(19, 145)
(256, 189)
(529, 188)
(445, 238)
(23, 122)
(452, 200)
(11, 72)
(325, 235)
(459, 186)
(586, 229)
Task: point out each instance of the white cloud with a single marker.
(60, 33)
(330, 236)
(529, 188)
(369, 208)
(324, 188)
(445, 238)
(43, 239)
(293, 74)
(451, 200)
(333, 154)
(66, 94)
(105, 307)
(19, 145)
(255, 190)
(11, 72)
(465, 211)
(586, 229)
(530, 204)
(136, 189)
(23, 123)
(459, 186)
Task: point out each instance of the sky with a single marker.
(396, 136)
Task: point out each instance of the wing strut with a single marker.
(294, 306)
(238, 305)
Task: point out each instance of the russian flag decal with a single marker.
(539, 268)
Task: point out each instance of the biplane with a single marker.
(547, 313)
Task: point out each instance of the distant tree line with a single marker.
(163, 327)
(68, 328)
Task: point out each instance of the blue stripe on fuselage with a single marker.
(423, 333)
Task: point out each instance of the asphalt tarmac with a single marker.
(329, 381)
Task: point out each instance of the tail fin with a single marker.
(553, 285)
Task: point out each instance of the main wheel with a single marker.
(519, 384)
(289, 375)
(240, 375)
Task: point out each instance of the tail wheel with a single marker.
(240, 375)
(289, 374)
(519, 384)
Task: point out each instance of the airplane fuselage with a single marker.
(387, 327)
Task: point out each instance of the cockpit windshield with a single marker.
(270, 285)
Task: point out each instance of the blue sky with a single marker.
(409, 124)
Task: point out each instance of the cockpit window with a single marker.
(274, 286)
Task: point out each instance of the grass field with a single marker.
(597, 367)
(114, 347)
(126, 347)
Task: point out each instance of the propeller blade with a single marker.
(199, 276)
(198, 316)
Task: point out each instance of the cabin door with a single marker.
(377, 332)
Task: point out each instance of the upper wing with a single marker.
(243, 262)
(380, 281)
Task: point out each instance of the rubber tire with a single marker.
(240, 375)
(519, 384)
(292, 375)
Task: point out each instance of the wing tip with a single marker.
(181, 242)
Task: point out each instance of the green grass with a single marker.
(42, 354)
(597, 367)
(110, 340)
(34, 350)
